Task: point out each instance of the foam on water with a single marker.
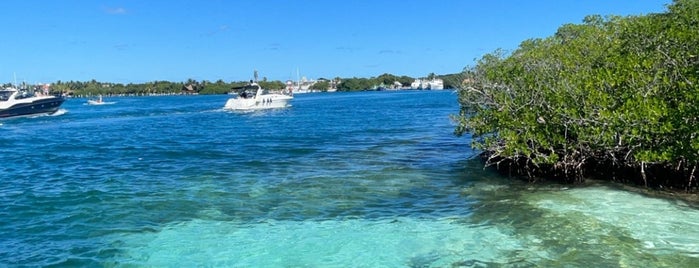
(396, 242)
(59, 112)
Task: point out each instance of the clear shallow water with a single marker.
(370, 179)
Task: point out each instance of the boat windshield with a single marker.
(5, 95)
(24, 94)
(246, 94)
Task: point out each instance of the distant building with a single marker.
(189, 90)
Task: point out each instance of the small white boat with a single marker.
(95, 102)
(98, 101)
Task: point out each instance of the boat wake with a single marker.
(59, 112)
(30, 116)
(255, 112)
(101, 103)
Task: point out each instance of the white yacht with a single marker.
(417, 84)
(433, 84)
(14, 102)
(254, 97)
(436, 84)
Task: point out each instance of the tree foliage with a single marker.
(451, 80)
(191, 86)
(610, 94)
(322, 85)
(92, 88)
(356, 84)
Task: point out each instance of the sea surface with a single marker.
(363, 179)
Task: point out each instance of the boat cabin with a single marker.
(11, 93)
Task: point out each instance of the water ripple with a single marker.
(368, 179)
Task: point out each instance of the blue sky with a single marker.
(135, 41)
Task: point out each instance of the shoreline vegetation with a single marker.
(614, 98)
(193, 87)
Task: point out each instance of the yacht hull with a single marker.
(39, 106)
(272, 101)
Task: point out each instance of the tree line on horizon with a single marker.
(191, 86)
(614, 98)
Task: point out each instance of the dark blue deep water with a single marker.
(365, 179)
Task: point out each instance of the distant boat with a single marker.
(98, 101)
(303, 85)
(14, 102)
(436, 84)
(433, 84)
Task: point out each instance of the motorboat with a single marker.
(98, 101)
(22, 102)
(254, 97)
(425, 84)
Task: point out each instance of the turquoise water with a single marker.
(367, 179)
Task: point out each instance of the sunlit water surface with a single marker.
(369, 179)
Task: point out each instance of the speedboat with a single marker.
(95, 102)
(253, 97)
(98, 101)
(14, 102)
